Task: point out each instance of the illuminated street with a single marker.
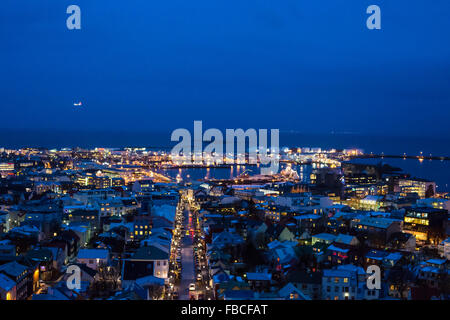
(187, 262)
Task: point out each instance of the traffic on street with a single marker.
(189, 277)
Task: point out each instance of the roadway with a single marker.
(187, 261)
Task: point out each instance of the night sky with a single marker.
(309, 66)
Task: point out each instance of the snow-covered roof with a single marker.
(352, 268)
(149, 280)
(344, 238)
(229, 200)
(6, 283)
(337, 249)
(93, 254)
(325, 236)
(394, 256)
(13, 268)
(165, 211)
(259, 276)
(288, 289)
(307, 216)
(436, 261)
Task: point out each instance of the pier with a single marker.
(404, 156)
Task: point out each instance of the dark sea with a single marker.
(435, 170)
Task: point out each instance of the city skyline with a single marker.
(138, 224)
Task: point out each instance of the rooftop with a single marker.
(93, 254)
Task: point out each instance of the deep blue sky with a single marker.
(304, 65)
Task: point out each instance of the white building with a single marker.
(93, 258)
(444, 249)
(147, 261)
(339, 285)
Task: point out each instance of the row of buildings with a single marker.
(111, 215)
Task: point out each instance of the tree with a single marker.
(429, 193)
(107, 281)
(252, 256)
(361, 249)
(400, 277)
(154, 291)
(444, 282)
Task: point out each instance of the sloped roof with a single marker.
(238, 294)
(338, 273)
(394, 256)
(337, 249)
(13, 268)
(227, 237)
(288, 289)
(350, 267)
(93, 254)
(298, 276)
(227, 200)
(382, 223)
(149, 280)
(325, 236)
(436, 261)
(259, 276)
(221, 277)
(376, 254)
(150, 253)
(40, 254)
(56, 294)
(6, 283)
(344, 238)
(165, 211)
